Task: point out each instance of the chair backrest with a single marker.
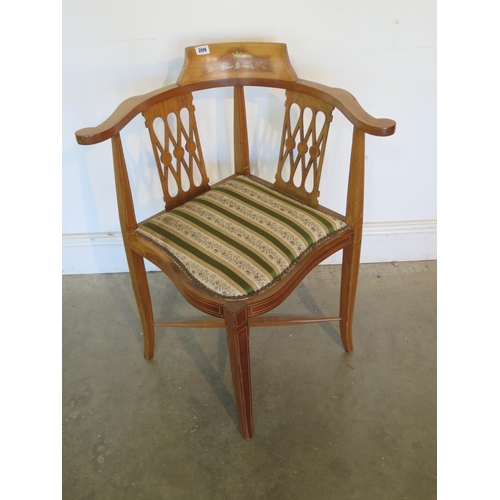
(171, 121)
(174, 134)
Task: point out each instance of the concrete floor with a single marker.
(328, 425)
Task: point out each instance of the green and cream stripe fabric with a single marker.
(238, 238)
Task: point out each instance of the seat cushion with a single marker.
(240, 237)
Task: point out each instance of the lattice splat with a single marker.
(177, 149)
(303, 142)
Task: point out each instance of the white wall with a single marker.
(384, 52)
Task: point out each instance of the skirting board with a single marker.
(96, 253)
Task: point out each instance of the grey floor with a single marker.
(328, 425)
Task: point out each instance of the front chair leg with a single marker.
(237, 332)
(350, 270)
(143, 299)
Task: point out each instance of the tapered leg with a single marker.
(351, 253)
(143, 299)
(350, 270)
(237, 332)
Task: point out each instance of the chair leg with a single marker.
(237, 332)
(350, 270)
(143, 299)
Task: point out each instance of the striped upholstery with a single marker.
(238, 238)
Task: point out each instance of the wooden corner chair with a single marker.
(237, 249)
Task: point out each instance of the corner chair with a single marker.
(237, 249)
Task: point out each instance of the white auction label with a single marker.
(202, 50)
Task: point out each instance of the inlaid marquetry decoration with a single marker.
(238, 60)
(177, 149)
(305, 131)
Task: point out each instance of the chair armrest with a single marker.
(350, 107)
(130, 108)
(123, 114)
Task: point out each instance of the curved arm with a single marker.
(123, 114)
(350, 107)
(341, 99)
(132, 106)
